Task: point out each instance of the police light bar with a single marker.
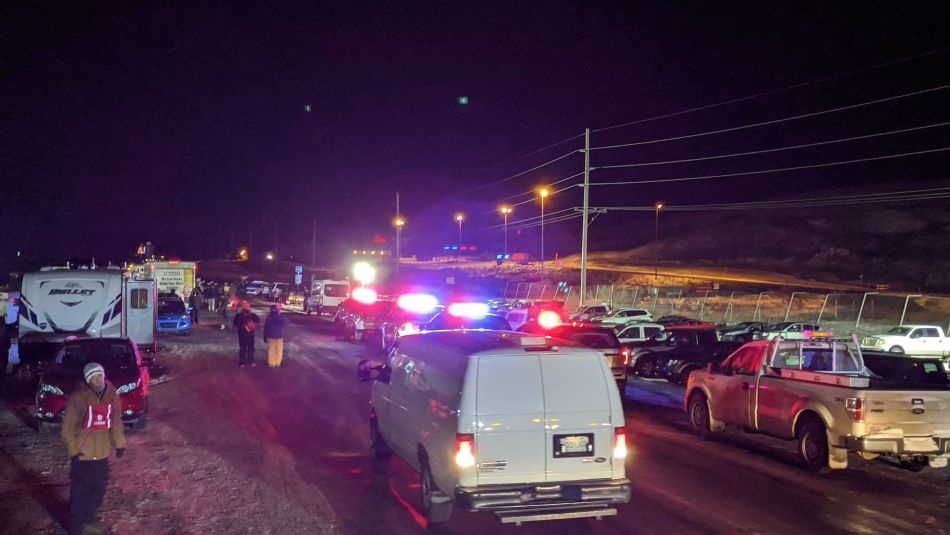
(365, 295)
(468, 310)
(418, 303)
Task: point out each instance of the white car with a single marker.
(637, 332)
(589, 312)
(922, 340)
(502, 422)
(788, 330)
(256, 288)
(626, 315)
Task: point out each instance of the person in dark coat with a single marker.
(246, 324)
(194, 301)
(274, 327)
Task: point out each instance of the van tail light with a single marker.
(464, 450)
(620, 443)
(625, 356)
(855, 408)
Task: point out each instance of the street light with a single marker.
(460, 217)
(543, 193)
(656, 242)
(364, 272)
(269, 256)
(505, 210)
(399, 222)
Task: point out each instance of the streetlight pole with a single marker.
(460, 218)
(656, 242)
(543, 193)
(505, 210)
(399, 222)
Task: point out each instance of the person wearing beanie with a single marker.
(92, 428)
(274, 327)
(246, 323)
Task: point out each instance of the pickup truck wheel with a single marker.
(437, 509)
(896, 349)
(646, 367)
(813, 445)
(699, 415)
(379, 451)
(914, 465)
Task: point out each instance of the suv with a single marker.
(471, 411)
(643, 360)
(626, 315)
(589, 312)
(788, 330)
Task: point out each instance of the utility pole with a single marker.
(276, 255)
(398, 223)
(313, 245)
(250, 242)
(585, 218)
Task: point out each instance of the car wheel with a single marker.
(699, 415)
(437, 510)
(683, 376)
(813, 445)
(379, 451)
(646, 367)
(914, 465)
(896, 349)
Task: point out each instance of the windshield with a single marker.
(899, 331)
(336, 290)
(109, 353)
(171, 307)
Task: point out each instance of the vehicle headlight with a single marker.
(673, 363)
(185, 317)
(50, 389)
(126, 388)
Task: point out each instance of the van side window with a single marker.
(139, 298)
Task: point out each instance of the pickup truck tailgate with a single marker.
(914, 412)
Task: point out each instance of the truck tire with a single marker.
(699, 415)
(896, 349)
(813, 444)
(437, 509)
(646, 366)
(379, 451)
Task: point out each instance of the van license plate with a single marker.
(574, 445)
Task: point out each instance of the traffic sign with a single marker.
(298, 270)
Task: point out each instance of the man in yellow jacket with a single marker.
(92, 426)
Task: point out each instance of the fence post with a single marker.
(610, 300)
(861, 310)
(702, 307)
(544, 288)
(822, 311)
(636, 292)
(505, 294)
(789, 309)
(906, 301)
(728, 316)
(656, 297)
(757, 305)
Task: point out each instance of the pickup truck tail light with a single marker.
(855, 408)
(464, 450)
(620, 443)
(625, 356)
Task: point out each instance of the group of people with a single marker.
(246, 322)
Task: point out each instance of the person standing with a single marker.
(92, 427)
(246, 323)
(230, 310)
(274, 327)
(194, 301)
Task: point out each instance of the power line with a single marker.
(777, 149)
(773, 91)
(551, 146)
(770, 171)
(555, 183)
(548, 222)
(506, 179)
(527, 219)
(775, 121)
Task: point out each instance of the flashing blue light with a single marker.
(507, 257)
(446, 248)
(455, 247)
(498, 256)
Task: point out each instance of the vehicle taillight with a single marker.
(620, 443)
(465, 450)
(625, 356)
(855, 408)
(549, 319)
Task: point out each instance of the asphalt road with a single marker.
(737, 483)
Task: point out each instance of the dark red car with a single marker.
(125, 368)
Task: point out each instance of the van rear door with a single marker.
(578, 431)
(510, 437)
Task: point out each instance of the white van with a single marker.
(503, 422)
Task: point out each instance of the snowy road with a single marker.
(256, 450)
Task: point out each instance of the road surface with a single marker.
(297, 436)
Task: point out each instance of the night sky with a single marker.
(188, 125)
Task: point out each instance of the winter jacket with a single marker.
(274, 326)
(89, 444)
(246, 324)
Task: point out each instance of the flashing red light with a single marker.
(464, 450)
(365, 295)
(418, 303)
(620, 443)
(549, 319)
(468, 310)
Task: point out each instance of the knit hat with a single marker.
(91, 369)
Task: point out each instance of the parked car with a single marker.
(589, 312)
(471, 412)
(889, 367)
(788, 330)
(742, 332)
(360, 322)
(173, 316)
(683, 320)
(278, 291)
(676, 364)
(256, 288)
(446, 321)
(683, 338)
(125, 368)
(625, 315)
(401, 322)
(636, 332)
(596, 337)
(923, 340)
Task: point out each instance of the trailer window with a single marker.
(139, 298)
